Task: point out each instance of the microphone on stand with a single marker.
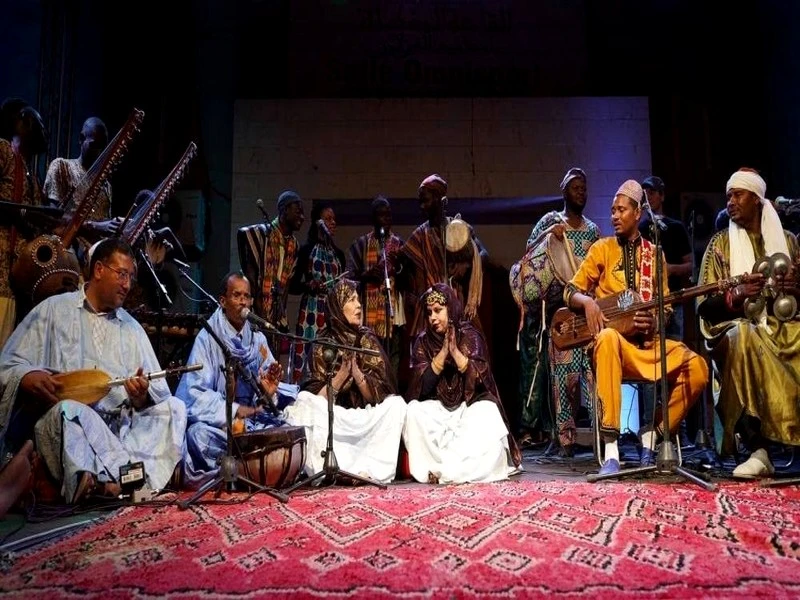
(324, 228)
(254, 319)
(260, 205)
(382, 234)
(654, 218)
(181, 264)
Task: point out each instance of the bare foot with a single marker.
(15, 477)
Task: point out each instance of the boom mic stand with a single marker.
(162, 293)
(667, 459)
(330, 468)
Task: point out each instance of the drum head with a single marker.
(558, 254)
(457, 235)
(267, 439)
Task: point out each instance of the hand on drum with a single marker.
(595, 319)
(644, 322)
(245, 412)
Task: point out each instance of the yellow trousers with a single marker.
(615, 359)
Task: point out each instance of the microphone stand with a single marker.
(330, 468)
(668, 459)
(163, 294)
(229, 465)
(388, 308)
(702, 439)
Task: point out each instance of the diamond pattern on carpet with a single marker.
(515, 538)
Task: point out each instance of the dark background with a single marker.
(722, 81)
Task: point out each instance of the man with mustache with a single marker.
(757, 355)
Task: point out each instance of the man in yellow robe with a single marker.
(613, 265)
(758, 359)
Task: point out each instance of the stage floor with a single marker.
(48, 523)
(544, 533)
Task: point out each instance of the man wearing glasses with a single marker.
(82, 445)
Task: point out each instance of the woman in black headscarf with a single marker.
(456, 430)
(368, 416)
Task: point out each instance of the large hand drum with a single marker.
(272, 457)
(550, 261)
(458, 240)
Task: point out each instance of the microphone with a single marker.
(260, 205)
(656, 219)
(382, 234)
(324, 227)
(249, 315)
(782, 201)
(181, 264)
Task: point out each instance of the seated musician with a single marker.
(613, 265)
(84, 446)
(368, 415)
(456, 430)
(758, 359)
(204, 391)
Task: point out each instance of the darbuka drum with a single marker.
(272, 457)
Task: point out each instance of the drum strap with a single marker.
(476, 279)
(540, 340)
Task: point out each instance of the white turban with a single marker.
(747, 180)
(741, 250)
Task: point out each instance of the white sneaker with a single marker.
(758, 465)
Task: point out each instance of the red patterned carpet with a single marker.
(518, 538)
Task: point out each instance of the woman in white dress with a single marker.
(456, 430)
(368, 415)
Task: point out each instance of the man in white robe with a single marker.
(82, 445)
